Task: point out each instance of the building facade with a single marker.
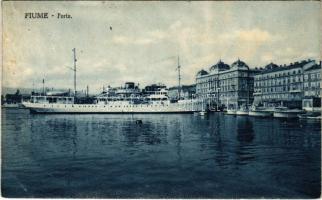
(312, 81)
(231, 86)
(186, 92)
(281, 85)
(290, 85)
(312, 88)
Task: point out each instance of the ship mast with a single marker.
(179, 78)
(75, 60)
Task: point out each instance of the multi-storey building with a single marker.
(202, 83)
(224, 85)
(312, 79)
(281, 85)
(237, 85)
(312, 87)
(207, 84)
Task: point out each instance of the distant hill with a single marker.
(9, 90)
(28, 91)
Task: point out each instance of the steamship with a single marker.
(128, 99)
(124, 100)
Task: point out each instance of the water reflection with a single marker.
(173, 156)
(245, 135)
(245, 131)
(147, 132)
(221, 157)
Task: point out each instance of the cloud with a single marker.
(120, 39)
(254, 35)
(129, 40)
(267, 57)
(145, 35)
(150, 37)
(14, 75)
(158, 34)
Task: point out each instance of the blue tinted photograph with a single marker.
(157, 100)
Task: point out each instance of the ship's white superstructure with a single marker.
(156, 103)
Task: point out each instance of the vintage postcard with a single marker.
(150, 99)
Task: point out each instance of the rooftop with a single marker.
(219, 66)
(202, 72)
(239, 64)
(274, 68)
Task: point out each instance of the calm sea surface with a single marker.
(167, 156)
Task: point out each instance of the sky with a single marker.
(147, 37)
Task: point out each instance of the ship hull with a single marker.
(231, 112)
(256, 113)
(287, 114)
(242, 112)
(107, 109)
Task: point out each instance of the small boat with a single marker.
(310, 115)
(283, 112)
(202, 113)
(231, 111)
(213, 110)
(260, 112)
(242, 111)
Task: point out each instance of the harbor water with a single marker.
(167, 156)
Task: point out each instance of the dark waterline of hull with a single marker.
(166, 156)
(106, 113)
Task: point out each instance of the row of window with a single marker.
(276, 75)
(284, 80)
(312, 93)
(222, 77)
(312, 76)
(233, 75)
(278, 89)
(312, 85)
(278, 96)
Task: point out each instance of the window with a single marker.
(312, 76)
(306, 77)
(306, 85)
